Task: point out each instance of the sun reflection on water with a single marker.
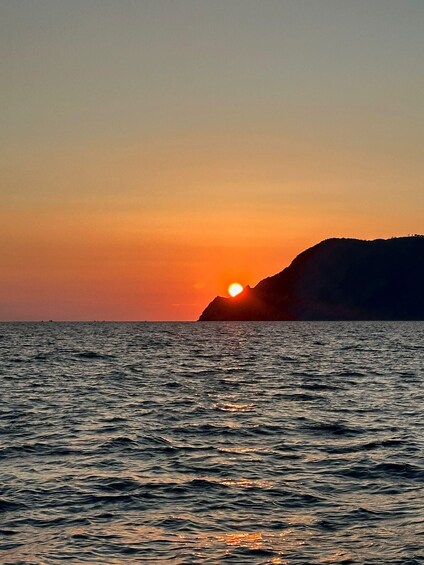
(246, 483)
(233, 407)
(280, 543)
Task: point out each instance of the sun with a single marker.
(234, 289)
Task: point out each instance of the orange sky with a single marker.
(139, 177)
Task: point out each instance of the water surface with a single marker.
(292, 443)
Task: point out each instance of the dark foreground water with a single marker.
(289, 443)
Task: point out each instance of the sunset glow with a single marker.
(153, 152)
(234, 289)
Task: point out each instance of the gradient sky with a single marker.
(153, 151)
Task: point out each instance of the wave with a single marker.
(245, 443)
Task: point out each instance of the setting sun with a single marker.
(234, 289)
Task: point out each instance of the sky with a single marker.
(154, 151)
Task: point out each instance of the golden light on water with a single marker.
(234, 289)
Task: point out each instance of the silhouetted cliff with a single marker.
(338, 279)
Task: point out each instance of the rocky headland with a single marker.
(337, 279)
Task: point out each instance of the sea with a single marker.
(216, 442)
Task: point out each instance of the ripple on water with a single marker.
(292, 443)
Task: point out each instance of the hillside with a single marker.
(337, 279)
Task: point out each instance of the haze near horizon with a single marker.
(154, 152)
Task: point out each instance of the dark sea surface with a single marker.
(285, 442)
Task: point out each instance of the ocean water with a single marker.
(290, 443)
